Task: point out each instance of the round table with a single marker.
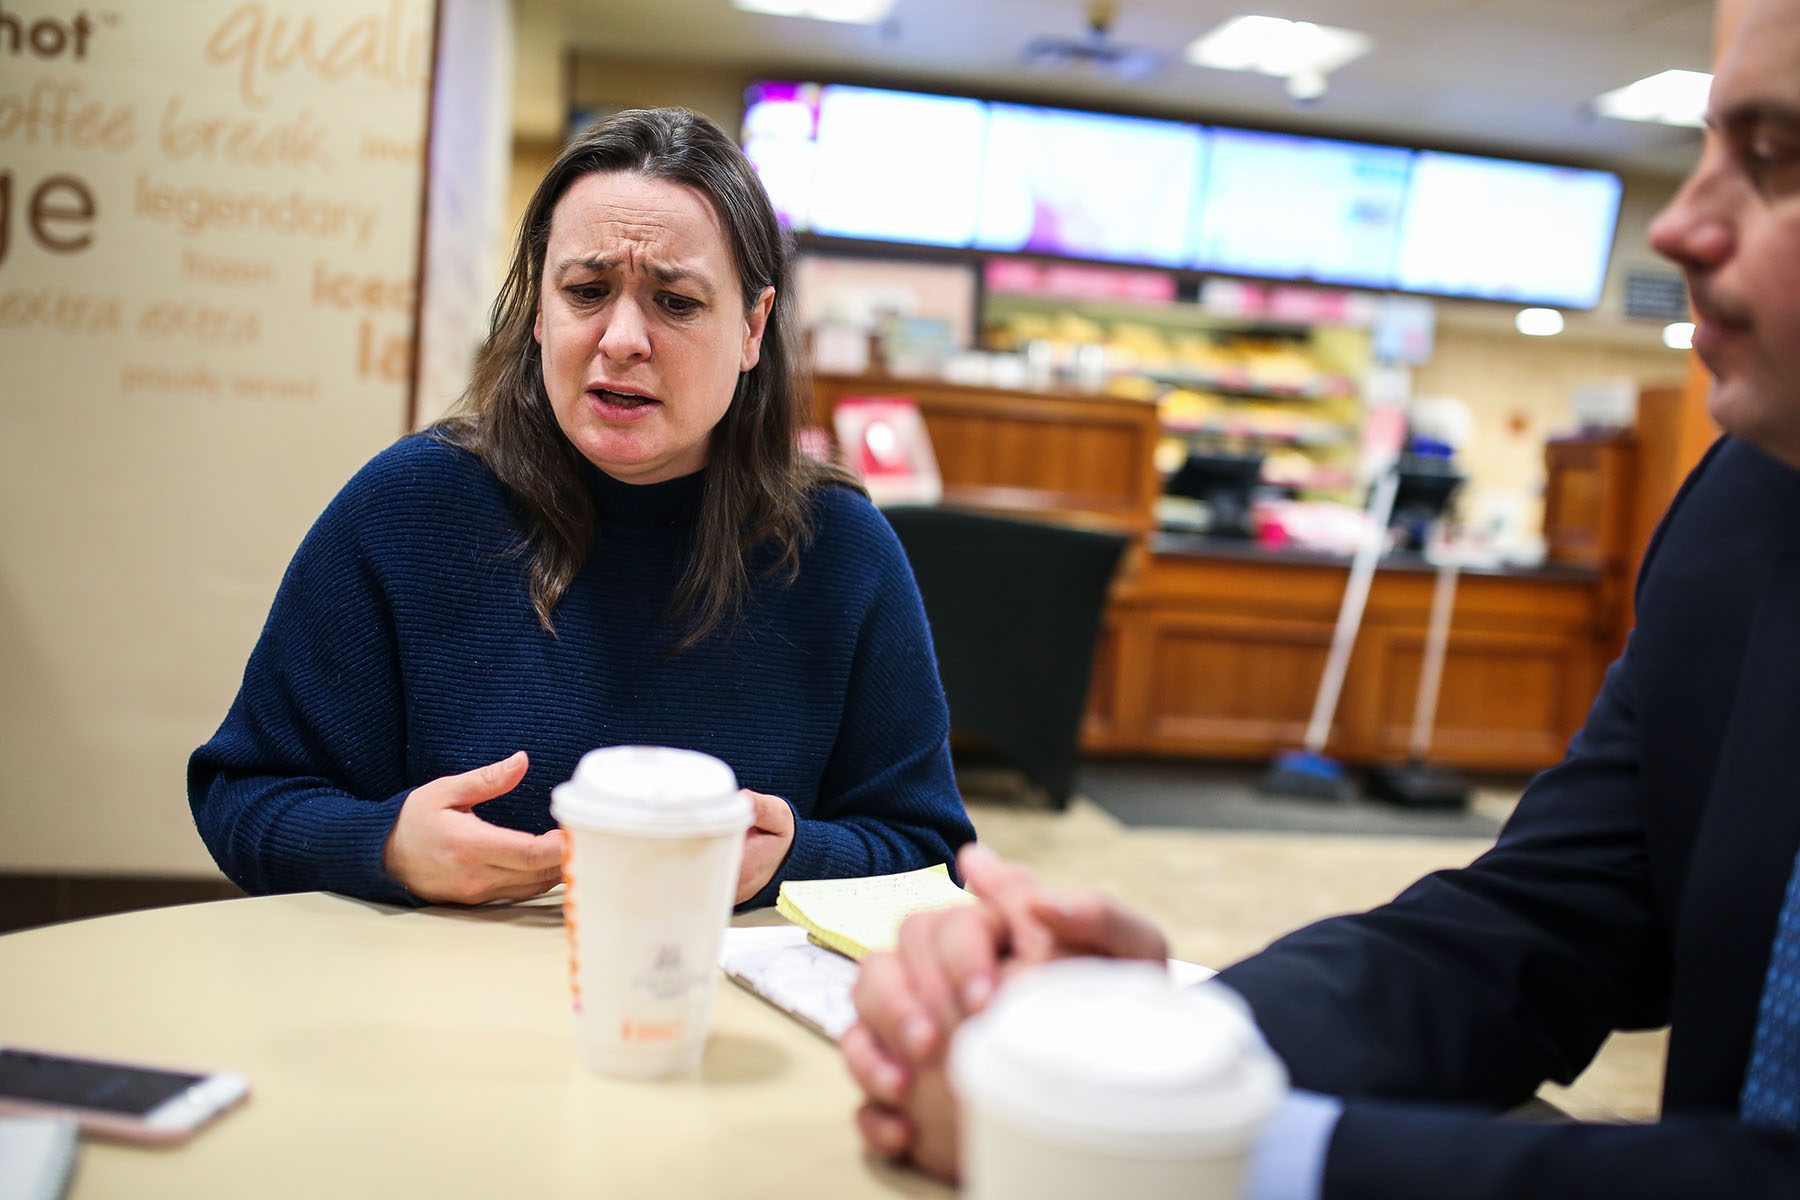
(427, 1052)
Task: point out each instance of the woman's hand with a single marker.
(767, 843)
(442, 852)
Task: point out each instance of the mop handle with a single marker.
(1356, 594)
(1437, 640)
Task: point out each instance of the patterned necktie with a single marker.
(1771, 1096)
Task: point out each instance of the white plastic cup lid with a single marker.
(651, 791)
(1109, 1056)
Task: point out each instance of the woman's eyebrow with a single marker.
(663, 272)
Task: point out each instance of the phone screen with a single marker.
(84, 1083)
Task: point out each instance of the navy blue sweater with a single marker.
(402, 646)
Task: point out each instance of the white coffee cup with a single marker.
(654, 841)
(1091, 1077)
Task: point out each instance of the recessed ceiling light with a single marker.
(850, 12)
(1679, 335)
(1539, 322)
(1275, 46)
(1668, 97)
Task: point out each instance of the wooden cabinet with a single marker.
(1508, 699)
(1605, 492)
(1221, 657)
(1227, 684)
(1589, 508)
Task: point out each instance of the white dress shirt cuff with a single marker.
(1288, 1160)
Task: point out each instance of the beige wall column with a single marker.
(540, 101)
(465, 196)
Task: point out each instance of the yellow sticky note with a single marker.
(856, 917)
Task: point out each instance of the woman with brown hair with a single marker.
(613, 539)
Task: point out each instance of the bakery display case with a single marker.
(1287, 392)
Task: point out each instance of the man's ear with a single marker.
(755, 321)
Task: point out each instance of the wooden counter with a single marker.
(1071, 456)
(1214, 650)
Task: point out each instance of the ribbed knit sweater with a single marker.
(402, 647)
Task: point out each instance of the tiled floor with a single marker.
(1221, 894)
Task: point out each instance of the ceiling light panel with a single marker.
(1667, 98)
(1276, 46)
(849, 12)
(1539, 322)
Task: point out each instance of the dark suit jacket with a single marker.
(1636, 885)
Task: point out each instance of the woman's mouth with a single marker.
(620, 405)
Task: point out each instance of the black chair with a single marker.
(1014, 607)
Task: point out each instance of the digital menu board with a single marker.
(869, 163)
(781, 122)
(1302, 208)
(1494, 229)
(1089, 185)
(881, 165)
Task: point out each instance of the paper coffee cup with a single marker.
(650, 867)
(1091, 1077)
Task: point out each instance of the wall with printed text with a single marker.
(209, 248)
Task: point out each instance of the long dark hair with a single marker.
(757, 482)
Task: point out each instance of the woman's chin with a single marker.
(637, 460)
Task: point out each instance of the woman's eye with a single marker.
(681, 306)
(585, 293)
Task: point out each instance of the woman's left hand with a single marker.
(766, 845)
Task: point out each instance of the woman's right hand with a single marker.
(441, 852)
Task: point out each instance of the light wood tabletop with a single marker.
(403, 1053)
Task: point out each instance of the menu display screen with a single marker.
(881, 165)
(781, 123)
(1087, 185)
(1302, 208)
(1495, 229)
(869, 163)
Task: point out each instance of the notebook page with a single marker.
(860, 916)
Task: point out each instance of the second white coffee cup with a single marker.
(654, 841)
(1091, 1077)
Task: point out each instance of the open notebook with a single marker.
(793, 968)
(856, 917)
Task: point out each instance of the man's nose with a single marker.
(1698, 228)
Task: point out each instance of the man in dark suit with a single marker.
(1649, 879)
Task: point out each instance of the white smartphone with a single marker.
(126, 1101)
